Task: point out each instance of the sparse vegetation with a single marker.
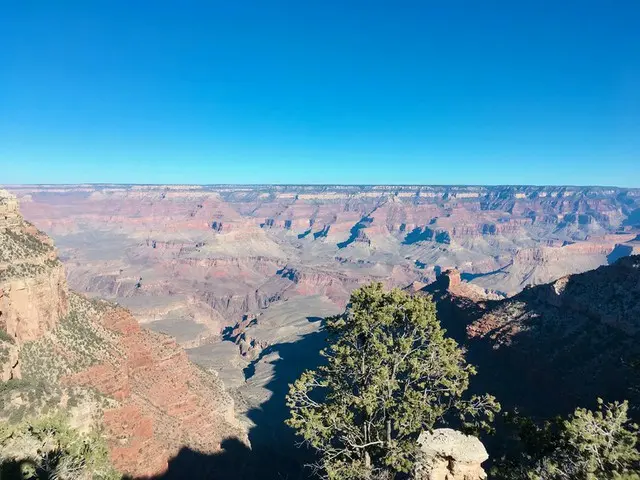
(17, 244)
(38, 361)
(4, 354)
(98, 304)
(5, 337)
(390, 373)
(23, 255)
(6, 341)
(20, 398)
(588, 445)
(21, 270)
(84, 342)
(49, 448)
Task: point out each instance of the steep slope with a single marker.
(61, 352)
(554, 346)
(34, 289)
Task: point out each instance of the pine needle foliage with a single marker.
(389, 373)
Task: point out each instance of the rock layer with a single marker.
(31, 306)
(167, 403)
(92, 358)
(199, 262)
(33, 287)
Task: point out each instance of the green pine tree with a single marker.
(390, 373)
(588, 445)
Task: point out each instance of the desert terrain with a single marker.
(238, 274)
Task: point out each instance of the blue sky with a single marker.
(332, 91)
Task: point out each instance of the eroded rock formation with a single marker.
(33, 288)
(194, 261)
(447, 454)
(561, 344)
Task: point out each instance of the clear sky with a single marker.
(320, 91)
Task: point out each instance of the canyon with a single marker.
(89, 360)
(237, 275)
(215, 298)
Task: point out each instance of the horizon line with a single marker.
(398, 185)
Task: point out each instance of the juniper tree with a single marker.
(389, 373)
(588, 445)
(47, 447)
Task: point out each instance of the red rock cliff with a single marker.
(154, 401)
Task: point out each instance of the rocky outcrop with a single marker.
(33, 288)
(561, 345)
(92, 358)
(449, 283)
(449, 279)
(9, 213)
(447, 454)
(32, 305)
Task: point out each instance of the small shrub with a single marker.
(55, 450)
(5, 337)
(589, 445)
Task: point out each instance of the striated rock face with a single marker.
(91, 360)
(167, 403)
(31, 306)
(194, 261)
(447, 454)
(33, 288)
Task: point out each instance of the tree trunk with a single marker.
(388, 432)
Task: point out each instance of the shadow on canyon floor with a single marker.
(235, 461)
(274, 453)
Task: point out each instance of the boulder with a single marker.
(447, 454)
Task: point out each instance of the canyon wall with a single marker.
(560, 345)
(238, 274)
(237, 249)
(33, 287)
(61, 352)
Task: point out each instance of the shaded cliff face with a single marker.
(91, 360)
(555, 346)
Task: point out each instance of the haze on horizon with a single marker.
(333, 92)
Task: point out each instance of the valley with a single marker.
(234, 272)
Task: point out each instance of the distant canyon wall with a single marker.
(211, 255)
